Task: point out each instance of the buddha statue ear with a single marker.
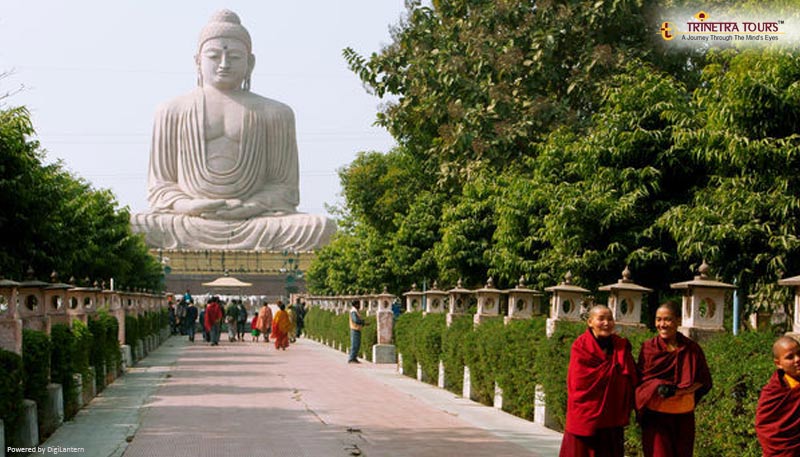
(251, 63)
(199, 71)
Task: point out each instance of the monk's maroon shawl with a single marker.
(682, 367)
(599, 385)
(778, 418)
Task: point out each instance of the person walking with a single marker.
(265, 321)
(356, 324)
(254, 328)
(280, 327)
(241, 320)
(300, 312)
(213, 320)
(292, 322)
(202, 319)
(190, 319)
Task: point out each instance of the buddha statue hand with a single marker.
(198, 206)
(236, 210)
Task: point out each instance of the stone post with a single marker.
(434, 300)
(77, 379)
(488, 303)
(565, 303)
(413, 299)
(625, 301)
(52, 414)
(384, 351)
(10, 324)
(523, 303)
(27, 430)
(458, 302)
(794, 281)
(703, 304)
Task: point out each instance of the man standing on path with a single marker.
(191, 319)
(213, 320)
(356, 324)
(300, 313)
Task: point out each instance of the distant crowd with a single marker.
(214, 317)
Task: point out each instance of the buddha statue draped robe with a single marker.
(264, 170)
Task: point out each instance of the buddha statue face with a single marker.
(224, 63)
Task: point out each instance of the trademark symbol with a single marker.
(780, 22)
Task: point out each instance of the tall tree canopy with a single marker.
(537, 137)
(53, 221)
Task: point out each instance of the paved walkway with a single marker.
(247, 399)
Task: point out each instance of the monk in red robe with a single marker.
(600, 383)
(674, 377)
(778, 412)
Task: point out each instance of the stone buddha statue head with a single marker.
(224, 53)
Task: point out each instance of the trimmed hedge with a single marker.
(82, 350)
(12, 391)
(518, 356)
(131, 331)
(36, 349)
(62, 366)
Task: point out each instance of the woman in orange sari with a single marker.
(280, 327)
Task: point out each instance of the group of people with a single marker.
(604, 384)
(284, 326)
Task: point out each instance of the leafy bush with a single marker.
(36, 365)
(517, 374)
(131, 331)
(61, 365)
(11, 390)
(428, 345)
(454, 345)
(97, 327)
(485, 346)
(327, 326)
(404, 331)
(81, 350)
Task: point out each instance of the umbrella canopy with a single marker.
(227, 281)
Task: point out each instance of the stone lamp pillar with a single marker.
(384, 351)
(794, 281)
(372, 300)
(488, 303)
(10, 323)
(566, 302)
(523, 303)
(55, 302)
(703, 304)
(459, 300)
(625, 300)
(435, 300)
(77, 297)
(31, 304)
(113, 303)
(413, 299)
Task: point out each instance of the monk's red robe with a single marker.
(778, 418)
(663, 434)
(682, 367)
(599, 393)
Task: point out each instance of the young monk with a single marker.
(600, 382)
(674, 377)
(778, 412)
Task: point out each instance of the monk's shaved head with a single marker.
(670, 306)
(783, 342)
(597, 309)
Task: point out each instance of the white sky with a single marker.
(94, 72)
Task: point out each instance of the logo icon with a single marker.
(701, 16)
(666, 31)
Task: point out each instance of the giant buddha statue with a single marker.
(223, 161)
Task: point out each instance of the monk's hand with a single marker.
(666, 390)
(197, 207)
